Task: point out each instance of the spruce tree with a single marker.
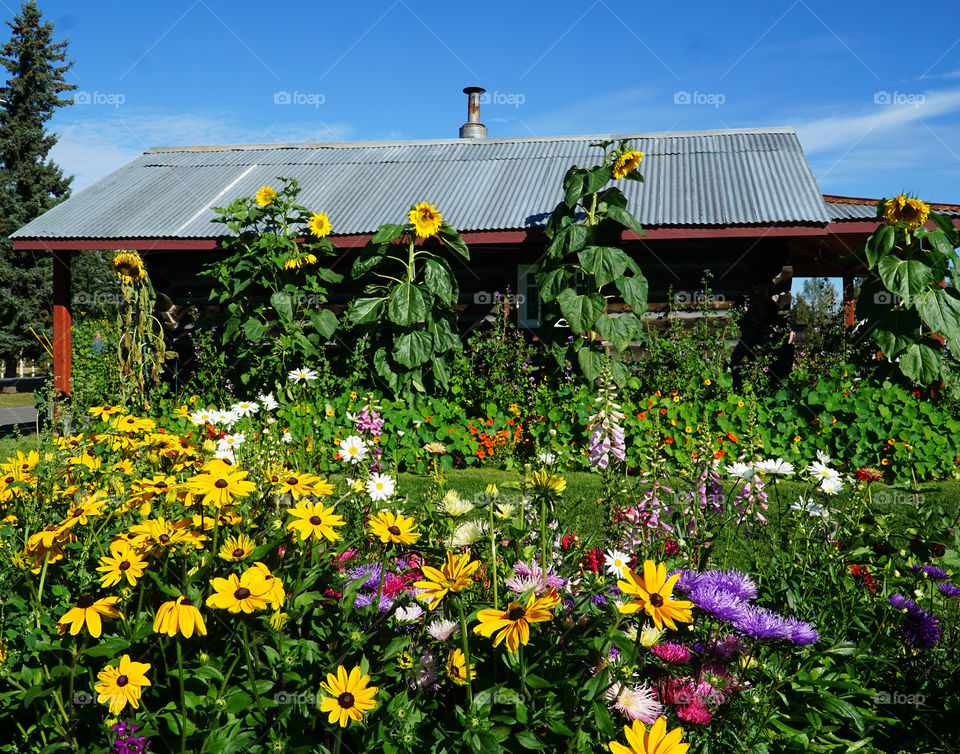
(30, 183)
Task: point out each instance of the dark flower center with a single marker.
(186, 602)
(124, 565)
(238, 553)
(394, 530)
(77, 512)
(516, 613)
(292, 481)
(85, 601)
(315, 520)
(656, 600)
(454, 671)
(220, 483)
(161, 485)
(122, 680)
(274, 479)
(9, 480)
(51, 527)
(345, 700)
(242, 593)
(164, 538)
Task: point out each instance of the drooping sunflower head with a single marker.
(542, 481)
(319, 224)
(425, 219)
(129, 267)
(626, 163)
(266, 195)
(905, 209)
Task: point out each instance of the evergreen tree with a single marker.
(817, 303)
(30, 183)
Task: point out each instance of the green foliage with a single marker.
(585, 268)
(406, 307)
(272, 287)
(30, 183)
(912, 293)
(95, 379)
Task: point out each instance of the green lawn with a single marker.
(10, 445)
(10, 400)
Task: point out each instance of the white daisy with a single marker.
(822, 471)
(302, 375)
(231, 441)
(779, 467)
(454, 505)
(832, 486)
(615, 561)
(380, 487)
(808, 506)
(443, 629)
(245, 408)
(225, 454)
(203, 416)
(740, 470)
(286, 436)
(353, 449)
(824, 457)
(547, 459)
(226, 418)
(268, 401)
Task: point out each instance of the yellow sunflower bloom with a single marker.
(541, 480)
(89, 612)
(319, 224)
(626, 163)
(179, 616)
(513, 624)
(904, 209)
(122, 562)
(453, 576)
(247, 593)
(122, 685)
(129, 267)
(425, 219)
(653, 592)
(350, 696)
(457, 668)
(396, 529)
(654, 741)
(220, 488)
(315, 520)
(266, 195)
(299, 485)
(236, 548)
(275, 593)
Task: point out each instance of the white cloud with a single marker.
(91, 146)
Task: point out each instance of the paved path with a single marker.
(23, 416)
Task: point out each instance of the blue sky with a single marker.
(873, 89)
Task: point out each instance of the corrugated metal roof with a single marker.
(693, 178)
(841, 208)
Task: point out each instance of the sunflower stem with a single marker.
(336, 746)
(43, 577)
(543, 536)
(383, 574)
(183, 703)
(493, 561)
(253, 680)
(466, 651)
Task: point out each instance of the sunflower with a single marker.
(128, 423)
(313, 519)
(541, 480)
(626, 163)
(351, 697)
(297, 484)
(123, 684)
(247, 593)
(513, 623)
(236, 548)
(105, 412)
(157, 532)
(275, 593)
(319, 224)
(89, 611)
(654, 741)
(265, 196)
(221, 485)
(396, 529)
(129, 267)
(297, 262)
(457, 668)
(425, 219)
(453, 576)
(903, 209)
(654, 595)
(179, 616)
(123, 562)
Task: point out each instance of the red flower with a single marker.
(868, 474)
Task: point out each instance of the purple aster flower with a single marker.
(931, 571)
(735, 583)
(687, 581)
(920, 628)
(948, 590)
(760, 623)
(372, 572)
(901, 603)
(598, 600)
(800, 632)
(720, 604)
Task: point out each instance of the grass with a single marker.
(10, 445)
(11, 400)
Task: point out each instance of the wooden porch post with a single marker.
(61, 325)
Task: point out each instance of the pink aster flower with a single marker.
(696, 712)
(675, 654)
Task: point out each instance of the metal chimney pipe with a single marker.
(473, 128)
